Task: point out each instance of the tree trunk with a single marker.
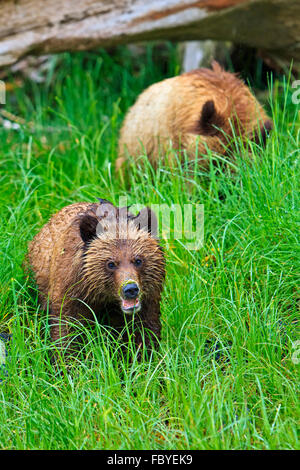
(49, 26)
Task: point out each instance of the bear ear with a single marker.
(260, 136)
(209, 120)
(146, 220)
(89, 227)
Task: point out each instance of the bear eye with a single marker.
(137, 262)
(111, 265)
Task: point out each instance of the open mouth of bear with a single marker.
(130, 305)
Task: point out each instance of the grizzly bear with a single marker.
(196, 110)
(96, 260)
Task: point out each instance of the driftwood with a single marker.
(49, 26)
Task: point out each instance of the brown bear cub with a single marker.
(99, 260)
(192, 112)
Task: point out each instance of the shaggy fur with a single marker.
(197, 109)
(70, 258)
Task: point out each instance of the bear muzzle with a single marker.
(130, 301)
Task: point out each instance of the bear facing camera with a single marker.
(98, 259)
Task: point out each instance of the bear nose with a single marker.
(130, 291)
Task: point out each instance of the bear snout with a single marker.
(130, 291)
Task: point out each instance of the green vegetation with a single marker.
(224, 375)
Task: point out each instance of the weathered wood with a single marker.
(48, 26)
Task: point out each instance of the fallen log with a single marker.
(50, 26)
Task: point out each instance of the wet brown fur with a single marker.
(69, 261)
(185, 112)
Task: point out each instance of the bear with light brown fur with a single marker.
(97, 259)
(195, 110)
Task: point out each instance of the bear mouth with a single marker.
(130, 305)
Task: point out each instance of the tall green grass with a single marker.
(223, 376)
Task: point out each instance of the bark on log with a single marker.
(49, 26)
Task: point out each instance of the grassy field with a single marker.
(224, 377)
